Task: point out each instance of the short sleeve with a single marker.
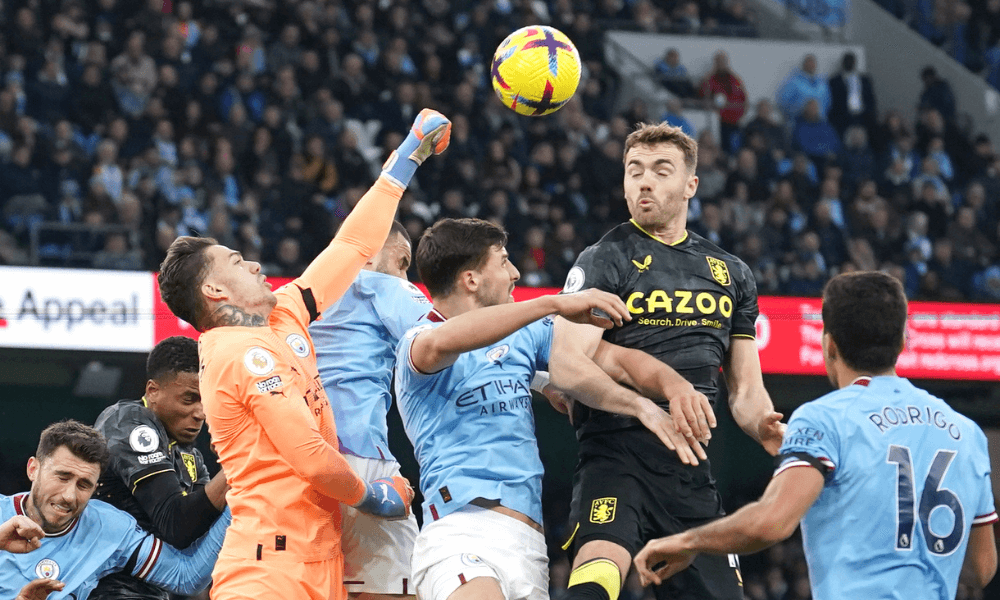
(746, 311)
(540, 333)
(404, 360)
(596, 267)
(986, 513)
(810, 441)
(399, 305)
(138, 444)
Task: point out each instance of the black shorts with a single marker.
(628, 489)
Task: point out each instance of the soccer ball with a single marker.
(536, 70)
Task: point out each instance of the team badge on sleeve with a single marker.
(603, 510)
(720, 272)
(298, 344)
(417, 294)
(416, 330)
(47, 569)
(143, 439)
(259, 361)
(495, 354)
(574, 280)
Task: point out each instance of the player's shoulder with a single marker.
(229, 343)
(123, 411)
(107, 519)
(703, 246)
(829, 405)
(617, 240)
(376, 283)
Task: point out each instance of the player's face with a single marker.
(240, 281)
(657, 184)
(176, 402)
(496, 278)
(394, 257)
(61, 486)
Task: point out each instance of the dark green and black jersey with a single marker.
(686, 300)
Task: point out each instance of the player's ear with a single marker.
(469, 280)
(692, 187)
(830, 350)
(33, 465)
(151, 388)
(213, 291)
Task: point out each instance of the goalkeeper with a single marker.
(268, 414)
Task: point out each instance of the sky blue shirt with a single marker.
(472, 425)
(355, 343)
(106, 540)
(906, 479)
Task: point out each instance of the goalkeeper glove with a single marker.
(388, 498)
(430, 133)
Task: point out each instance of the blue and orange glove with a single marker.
(388, 498)
(430, 133)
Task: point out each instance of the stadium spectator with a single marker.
(723, 90)
(852, 98)
(801, 86)
(673, 75)
(937, 94)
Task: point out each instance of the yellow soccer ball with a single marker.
(536, 70)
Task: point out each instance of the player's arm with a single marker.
(749, 401)
(185, 572)
(690, 409)
(573, 371)
(40, 589)
(756, 526)
(180, 518)
(19, 535)
(366, 228)
(438, 348)
(980, 564)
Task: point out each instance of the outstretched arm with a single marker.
(439, 348)
(756, 526)
(187, 571)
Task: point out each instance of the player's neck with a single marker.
(227, 315)
(847, 376)
(670, 233)
(455, 304)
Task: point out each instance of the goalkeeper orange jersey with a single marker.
(269, 418)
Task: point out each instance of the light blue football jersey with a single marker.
(906, 479)
(355, 343)
(472, 424)
(106, 540)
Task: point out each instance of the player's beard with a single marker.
(48, 526)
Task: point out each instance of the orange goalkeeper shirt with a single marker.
(268, 415)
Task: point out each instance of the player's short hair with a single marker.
(181, 275)
(647, 134)
(451, 246)
(85, 442)
(399, 229)
(177, 354)
(865, 314)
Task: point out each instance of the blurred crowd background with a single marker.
(125, 123)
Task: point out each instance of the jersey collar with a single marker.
(863, 381)
(435, 316)
(21, 508)
(677, 243)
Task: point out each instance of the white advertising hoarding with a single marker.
(75, 309)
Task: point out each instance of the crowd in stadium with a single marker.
(261, 123)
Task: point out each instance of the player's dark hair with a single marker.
(177, 354)
(865, 313)
(181, 275)
(86, 443)
(451, 246)
(399, 229)
(647, 134)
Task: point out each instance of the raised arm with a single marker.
(980, 564)
(749, 402)
(365, 229)
(439, 348)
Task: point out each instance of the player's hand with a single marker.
(662, 559)
(430, 134)
(771, 432)
(388, 498)
(19, 535)
(594, 307)
(692, 413)
(662, 425)
(40, 589)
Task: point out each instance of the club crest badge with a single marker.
(574, 280)
(720, 272)
(191, 465)
(298, 344)
(495, 354)
(47, 569)
(603, 510)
